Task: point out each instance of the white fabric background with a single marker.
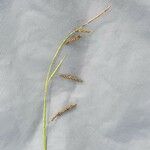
(114, 61)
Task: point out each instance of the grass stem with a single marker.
(51, 73)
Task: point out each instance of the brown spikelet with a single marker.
(72, 39)
(83, 30)
(71, 77)
(65, 109)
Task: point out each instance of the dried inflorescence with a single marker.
(76, 37)
(65, 109)
(73, 38)
(83, 30)
(71, 77)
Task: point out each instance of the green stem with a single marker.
(50, 75)
(58, 51)
(45, 103)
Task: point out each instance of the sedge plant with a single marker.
(52, 72)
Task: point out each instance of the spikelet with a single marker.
(71, 77)
(83, 30)
(72, 39)
(65, 109)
